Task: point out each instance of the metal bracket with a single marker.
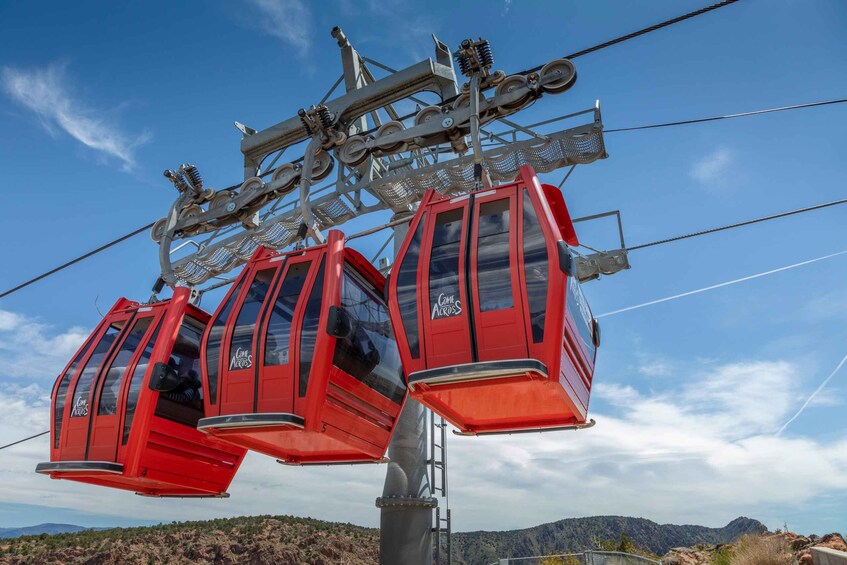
(590, 267)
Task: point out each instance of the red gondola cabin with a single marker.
(300, 360)
(494, 332)
(110, 427)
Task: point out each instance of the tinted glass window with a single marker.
(444, 296)
(581, 314)
(184, 404)
(115, 375)
(136, 380)
(213, 345)
(535, 268)
(407, 290)
(241, 346)
(309, 331)
(62, 393)
(277, 344)
(369, 353)
(495, 282)
(79, 407)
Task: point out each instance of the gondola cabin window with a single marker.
(213, 347)
(309, 330)
(135, 382)
(79, 406)
(495, 283)
(114, 376)
(581, 315)
(444, 296)
(369, 353)
(62, 392)
(535, 269)
(184, 404)
(278, 342)
(241, 346)
(407, 284)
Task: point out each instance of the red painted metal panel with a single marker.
(160, 456)
(525, 361)
(325, 415)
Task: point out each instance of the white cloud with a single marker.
(288, 20)
(30, 349)
(714, 167)
(507, 6)
(46, 92)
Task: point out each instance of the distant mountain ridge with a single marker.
(47, 528)
(579, 534)
(291, 540)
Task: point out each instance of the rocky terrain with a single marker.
(287, 540)
(781, 548)
(281, 540)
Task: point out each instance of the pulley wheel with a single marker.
(286, 177)
(252, 186)
(323, 165)
(558, 76)
(389, 128)
(158, 231)
(510, 84)
(464, 101)
(428, 114)
(353, 151)
(220, 201)
(190, 211)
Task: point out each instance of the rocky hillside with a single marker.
(286, 540)
(578, 534)
(281, 540)
(774, 549)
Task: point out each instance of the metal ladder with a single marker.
(442, 550)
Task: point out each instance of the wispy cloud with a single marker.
(46, 92)
(288, 20)
(507, 6)
(31, 350)
(714, 167)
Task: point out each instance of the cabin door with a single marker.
(444, 294)
(495, 277)
(276, 349)
(108, 403)
(78, 407)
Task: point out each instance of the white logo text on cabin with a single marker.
(446, 306)
(241, 359)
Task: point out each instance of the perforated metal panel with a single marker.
(581, 145)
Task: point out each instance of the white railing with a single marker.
(583, 558)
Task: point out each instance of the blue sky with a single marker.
(96, 100)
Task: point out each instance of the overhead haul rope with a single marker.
(598, 47)
(729, 116)
(720, 285)
(24, 439)
(739, 224)
(78, 259)
(640, 32)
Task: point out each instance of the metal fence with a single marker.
(584, 558)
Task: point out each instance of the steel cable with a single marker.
(77, 260)
(640, 32)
